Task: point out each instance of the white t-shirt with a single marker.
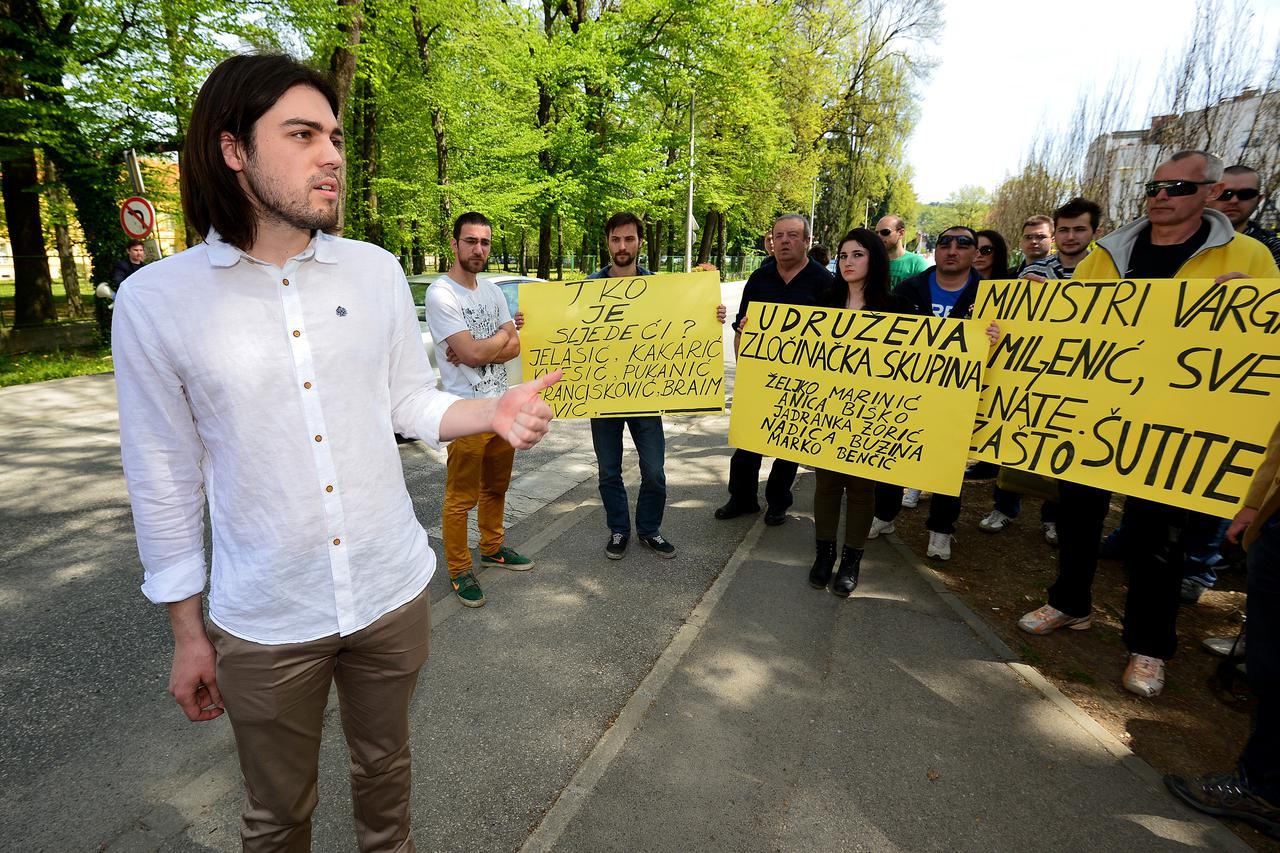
(452, 308)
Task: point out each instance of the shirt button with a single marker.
(337, 542)
(318, 438)
(328, 488)
(306, 385)
(285, 282)
(297, 334)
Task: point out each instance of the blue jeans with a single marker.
(651, 447)
(1261, 758)
(1201, 545)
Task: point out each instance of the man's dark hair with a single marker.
(1241, 169)
(237, 93)
(1079, 207)
(972, 233)
(1038, 219)
(623, 218)
(469, 218)
(875, 290)
(131, 243)
(820, 254)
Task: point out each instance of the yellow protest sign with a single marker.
(1163, 389)
(647, 345)
(885, 396)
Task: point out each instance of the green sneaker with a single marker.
(468, 590)
(508, 558)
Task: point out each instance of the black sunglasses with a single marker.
(1175, 188)
(1243, 195)
(986, 250)
(964, 241)
(885, 232)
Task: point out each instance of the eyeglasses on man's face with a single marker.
(1247, 194)
(1174, 189)
(962, 241)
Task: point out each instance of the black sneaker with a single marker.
(617, 546)
(1227, 795)
(775, 517)
(660, 546)
(733, 509)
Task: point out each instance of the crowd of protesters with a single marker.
(1198, 225)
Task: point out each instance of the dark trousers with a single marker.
(1010, 503)
(1260, 761)
(829, 489)
(647, 436)
(1155, 564)
(944, 510)
(744, 481)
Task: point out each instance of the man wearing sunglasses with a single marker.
(1179, 237)
(902, 264)
(945, 290)
(1239, 198)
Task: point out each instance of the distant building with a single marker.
(1241, 129)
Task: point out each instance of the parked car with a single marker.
(510, 287)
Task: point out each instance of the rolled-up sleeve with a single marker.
(162, 455)
(417, 405)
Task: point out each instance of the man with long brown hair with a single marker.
(267, 369)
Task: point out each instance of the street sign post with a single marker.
(137, 217)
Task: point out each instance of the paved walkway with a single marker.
(716, 702)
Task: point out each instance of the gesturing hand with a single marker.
(522, 418)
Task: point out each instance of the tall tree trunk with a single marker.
(178, 65)
(32, 283)
(524, 257)
(544, 244)
(369, 154)
(342, 62)
(423, 35)
(722, 224)
(58, 208)
(559, 249)
(708, 236)
(506, 258)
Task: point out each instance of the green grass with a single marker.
(39, 366)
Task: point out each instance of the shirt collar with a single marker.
(323, 248)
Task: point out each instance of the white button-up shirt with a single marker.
(276, 393)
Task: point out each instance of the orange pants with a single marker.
(479, 473)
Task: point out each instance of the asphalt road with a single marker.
(88, 733)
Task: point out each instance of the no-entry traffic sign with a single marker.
(137, 217)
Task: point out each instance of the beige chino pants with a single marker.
(275, 697)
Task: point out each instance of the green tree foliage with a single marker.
(547, 116)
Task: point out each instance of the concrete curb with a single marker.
(1217, 834)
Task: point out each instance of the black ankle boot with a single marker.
(822, 565)
(847, 578)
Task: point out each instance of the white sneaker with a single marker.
(939, 545)
(995, 522)
(911, 498)
(1050, 532)
(1144, 675)
(879, 526)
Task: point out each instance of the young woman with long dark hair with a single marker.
(861, 284)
